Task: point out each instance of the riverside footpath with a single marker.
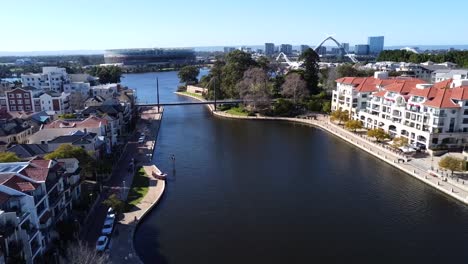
(420, 169)
(121, 249)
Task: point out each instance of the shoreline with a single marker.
(122, 247)
(382, 154)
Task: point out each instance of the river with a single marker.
(276, 192)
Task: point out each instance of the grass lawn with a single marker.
(237, 111)
(193, 94)
(138, 190)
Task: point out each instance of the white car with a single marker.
(101, 243)
(110, 216)
(141, 140)
(107, 227)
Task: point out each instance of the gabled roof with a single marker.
(380, 93)
(442, 99)
(403, 86)
(17, 183)
(36, 173)
(28, 150)
(460, 93)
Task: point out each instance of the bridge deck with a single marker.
(194, 103)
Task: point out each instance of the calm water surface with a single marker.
(273, 192)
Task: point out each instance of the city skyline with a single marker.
(147, 24)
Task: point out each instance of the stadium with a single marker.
(153, 56)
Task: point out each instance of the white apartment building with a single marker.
(51, 78)
(105, 90)
(34, 196)
(427, 114)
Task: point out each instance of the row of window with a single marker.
(20, 102)
(18, 95)
(20, 108)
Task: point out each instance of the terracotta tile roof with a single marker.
(442, 99)
(403, 86)
(368, 85)
(17, 183)
(35, 173)
(42, 163)
(443, 84)
(380, 93)
(460, 93)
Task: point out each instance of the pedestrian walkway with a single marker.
(122, 249)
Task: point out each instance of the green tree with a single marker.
(8, 157)
(283, 107)
(379, 134)
(311, 70)
(326, 107)
(353, 125)
(115, 203)
(452, 164)
(237, 62)
(68, 151)
(399, 142)
(340, 116)
(189, 74)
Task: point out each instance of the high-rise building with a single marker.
(269, 49)
(322, 50)
(304, 48)
(376, 44)
(229, 49)
(345, 46)
(286, 49)
(361, 49)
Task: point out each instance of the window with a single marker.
(11, 95)
(20, 108)
(19, 101)
(28, 108)
(12, 108)
(465, 120)
(26, 95)
(12, 102)
(19, 96)
(27, 101)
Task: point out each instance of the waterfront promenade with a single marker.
(418, 168)
(121, 249)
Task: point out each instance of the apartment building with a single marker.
(51, 78)
(30, 99)
(429, 115)
(34, 197)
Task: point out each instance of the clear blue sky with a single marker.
(32, 25)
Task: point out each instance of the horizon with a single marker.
(209, 23)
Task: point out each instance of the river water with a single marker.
(276, 192)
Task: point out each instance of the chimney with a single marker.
(85, 131)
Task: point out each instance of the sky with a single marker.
(32, 25)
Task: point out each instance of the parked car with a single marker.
(107, 227)
(141, 140)
(101, 243)
(110, 216)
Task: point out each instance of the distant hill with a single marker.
(51, 53)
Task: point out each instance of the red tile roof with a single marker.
(4, 197)
(42, 163)
(35, 173)
(380, 93)
(17, 183)
(442, 99)
(460, 93)
(403, 86)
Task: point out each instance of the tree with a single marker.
(254, 89)
(326, 107)
(68, 151)
(353, 125)
(237, 62)
(8, 157)
(379, 134)
(399, 142)
(79, 253)
(115, 203)
(340, 116)
(106, 74)
(294, 87)
(452, 163)
(311, 69)
(189, 74)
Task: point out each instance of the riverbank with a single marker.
(415, 168)
(121, 248)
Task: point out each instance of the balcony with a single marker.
(439, 114)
